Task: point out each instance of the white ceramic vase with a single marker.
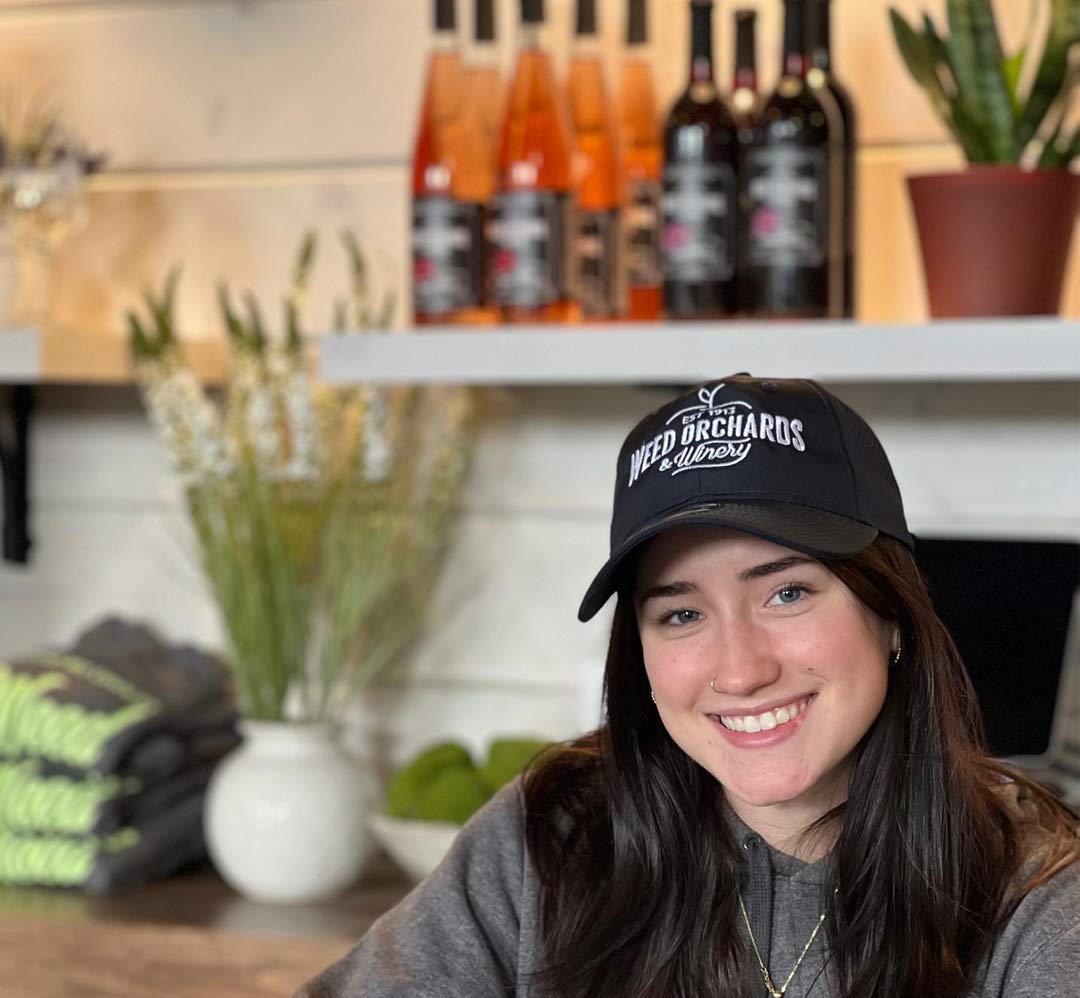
(287, 814)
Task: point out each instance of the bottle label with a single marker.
(787, 206)
(698, 212)
(527, 233)
(594, 263)
(641, 222)
(448, 255)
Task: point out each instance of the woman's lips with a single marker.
(765, 739)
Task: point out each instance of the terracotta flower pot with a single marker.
(994, 239)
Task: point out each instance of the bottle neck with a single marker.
(484, 55)
(701, 47)
(794, 59)
(820, 47)
(745, 52)
(445, 42)
(529, 37)
(586, 47)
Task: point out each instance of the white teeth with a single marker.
(765, 721)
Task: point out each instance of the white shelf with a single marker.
(20, 356)
(1022, 349)
(64, 356)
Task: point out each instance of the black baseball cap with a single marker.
(779, 458)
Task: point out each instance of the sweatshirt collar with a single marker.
(783, 864)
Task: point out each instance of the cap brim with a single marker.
(812, 531)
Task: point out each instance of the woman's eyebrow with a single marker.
(746, 575)
(772, 567)
(671, 589)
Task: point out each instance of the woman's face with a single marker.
(798, 665)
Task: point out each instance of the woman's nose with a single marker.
(742, 662)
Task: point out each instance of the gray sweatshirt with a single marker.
(471, 929)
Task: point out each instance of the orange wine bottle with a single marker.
(529, 226)
(823, 74)
(595, 173)
(641, 160)
(484, 81)
(452, 184)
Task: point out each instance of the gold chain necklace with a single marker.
(773, 992)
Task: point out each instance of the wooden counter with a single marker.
(187, 937)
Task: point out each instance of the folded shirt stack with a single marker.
(105, 753)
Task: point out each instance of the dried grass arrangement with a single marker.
(321, 513)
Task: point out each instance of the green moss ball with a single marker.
(454, 795)
(507, 757)
(409, 784)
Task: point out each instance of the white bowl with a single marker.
(416, 846)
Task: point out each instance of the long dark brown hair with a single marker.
(639, 872)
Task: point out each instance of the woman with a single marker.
(790, 795)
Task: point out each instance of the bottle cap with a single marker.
(484, 23)
(445, 15)
(532, 11)
(636, 29)
(586, 17)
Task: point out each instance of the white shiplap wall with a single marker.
(233, 126)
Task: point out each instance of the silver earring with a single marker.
(711, 687)
(653, 695)
(896, 655)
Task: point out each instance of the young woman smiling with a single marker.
(748, 645)
(790, 795)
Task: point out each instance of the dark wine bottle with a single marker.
(821, 74)
(793, 261)
(744, 102)
(699, 199)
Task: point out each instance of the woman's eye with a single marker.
(680, 617)
(789, 595)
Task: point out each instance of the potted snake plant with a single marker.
(995, 237)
